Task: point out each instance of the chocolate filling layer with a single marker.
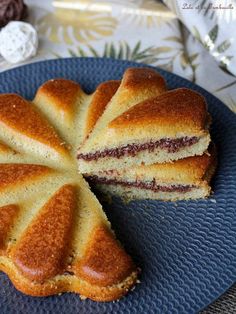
(170, 145)
(151, 185)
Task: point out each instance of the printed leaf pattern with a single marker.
(226, 86)
(209, 42)
(120, 51)
(163, 56)
(174, 38)
(210, 38)
(223, 46)
(86, 26)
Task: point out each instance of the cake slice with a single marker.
(171, 126)
(186, 178)
(137, 85)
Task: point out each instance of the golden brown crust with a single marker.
(69, 284)
(101, 97)
(191, 168)
(5, 148)
(61, 93)
(105, 262)
(16, 174)
(135, 78)
(7, 216)
(180, 109)
(41, 252)
(138, 84)
(20, 115)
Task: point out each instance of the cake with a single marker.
(132, 138)
(54, 235)
(168, 127)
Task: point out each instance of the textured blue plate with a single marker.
(187, 250)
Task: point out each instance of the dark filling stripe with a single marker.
(151, 185)
(170, 145)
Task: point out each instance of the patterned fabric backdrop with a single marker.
(201, 48)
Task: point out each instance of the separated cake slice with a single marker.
(171, 126)
(186, 178)
(137, 85)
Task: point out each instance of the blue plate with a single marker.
(187, 250)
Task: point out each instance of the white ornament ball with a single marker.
(18, 41)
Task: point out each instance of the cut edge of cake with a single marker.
(136, 85)
(172, 126)
(187, 178)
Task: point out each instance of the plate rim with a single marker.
(20, 67)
